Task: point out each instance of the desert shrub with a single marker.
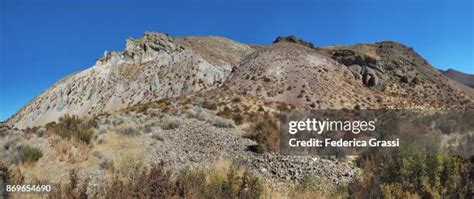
(131, 163)
(169, 122)
(72, 126)
(448, 126)
(225, 113)
(127, 128)
(238, 119)
(209, 105)
(408, 176)
(29, 130)
(236, 100)
(142, 108)
(28, 153)
(197, 114)
(72, 189)
(4, 178)
(222, 123)
(158, 182)
(317, 187)
(230, 182)
(267, 79)
(71, 150)
(233, 185)
(266, 135)
(313, 184)
(84, 135)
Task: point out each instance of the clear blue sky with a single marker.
(43, 41)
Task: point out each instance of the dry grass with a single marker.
(266, 134)
(132, 162)
(222, 181)
(127, 128)
(71, 151)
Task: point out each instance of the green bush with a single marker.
(29, 154)
(84, 135)
(72, 126)
(427, 176)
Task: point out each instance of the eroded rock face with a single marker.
(363, 67)
(152, 67)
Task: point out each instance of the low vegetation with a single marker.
(28, 153)
(158, 182)
(265, 133)
(73, 127)
(209, 105)
(223, 123)
(420, 176)
(169, 122)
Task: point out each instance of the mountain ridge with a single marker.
(157, 66)
(461, 77)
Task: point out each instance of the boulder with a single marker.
(356, 70)
(369, 76)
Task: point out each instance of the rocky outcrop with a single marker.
(400, 75)
(293, 39)
(363, 67)
(150, 68)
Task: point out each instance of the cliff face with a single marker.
(156, 66)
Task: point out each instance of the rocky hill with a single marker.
(150, 68)
(463, 78)
(157, 66)
(191, 102)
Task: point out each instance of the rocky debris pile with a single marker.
(293, 39)
(294, 168)
(198, 143)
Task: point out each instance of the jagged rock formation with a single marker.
(404, 78)
(293, 71)
(152, 67)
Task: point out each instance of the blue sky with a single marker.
(43, 41)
